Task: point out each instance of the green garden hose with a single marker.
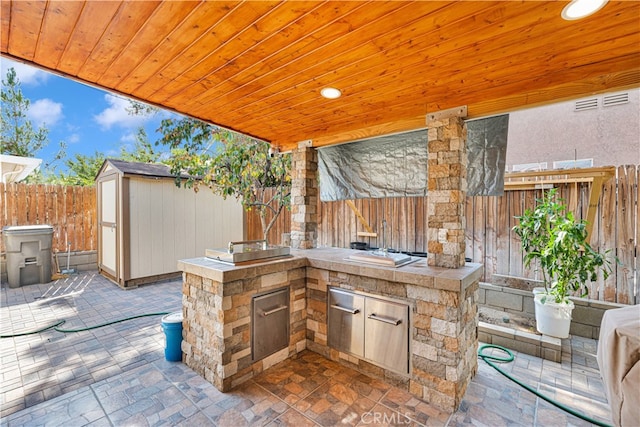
(56, 326)
(486, 357)
(509, 358)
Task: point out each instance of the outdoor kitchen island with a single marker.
(441, 306)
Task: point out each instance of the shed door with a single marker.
(108, 226)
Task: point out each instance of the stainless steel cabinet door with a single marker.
(346, 322)
(387, 340)
(270, 325)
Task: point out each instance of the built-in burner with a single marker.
(386, 259)
(246, 251)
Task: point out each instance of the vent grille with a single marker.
(586, 104)
(618, 99)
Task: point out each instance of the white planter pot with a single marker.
(553, 319)
(539, 290)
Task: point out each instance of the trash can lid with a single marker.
(172, 317)
(27, 229)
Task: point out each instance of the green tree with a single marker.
(82, 169)
(143, 150)
(137, 108)
(18, 136)
(230, 164)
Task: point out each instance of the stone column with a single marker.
(447, 190)
(304, 198)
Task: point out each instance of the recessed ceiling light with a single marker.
(330, 92)
(578, 9)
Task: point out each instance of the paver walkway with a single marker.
(42, 366)
(118, 377)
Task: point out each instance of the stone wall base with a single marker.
(586, 316)
(541, 346)
(217, 324)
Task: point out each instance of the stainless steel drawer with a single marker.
(270, 323)
(387, 329)
(346, 322)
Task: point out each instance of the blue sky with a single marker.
(86, 118)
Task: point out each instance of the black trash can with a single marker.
(172, 327)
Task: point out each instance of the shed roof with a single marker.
(155, 170)
(258, 66)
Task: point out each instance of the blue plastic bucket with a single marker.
(172, 327)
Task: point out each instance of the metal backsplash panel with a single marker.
(389, 166)
(486, 154)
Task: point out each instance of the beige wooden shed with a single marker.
(146, 223)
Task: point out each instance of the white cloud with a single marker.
(45, 112)
(128, 137)
(73, 138)
(127, 142)
(26, 74)
(116, 114)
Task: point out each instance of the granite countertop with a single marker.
(416, 273)
(336, 259)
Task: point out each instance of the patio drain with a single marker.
(56, 338)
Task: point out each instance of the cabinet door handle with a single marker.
(348, 310)
(275, 310)
(394, 322)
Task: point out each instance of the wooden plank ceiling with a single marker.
(258, 66)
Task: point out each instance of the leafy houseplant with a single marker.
(553, 237)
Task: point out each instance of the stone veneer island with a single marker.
(443, 318)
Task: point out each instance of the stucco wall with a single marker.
(610, 135)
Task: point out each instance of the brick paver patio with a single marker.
(39, 367)
(117, 375)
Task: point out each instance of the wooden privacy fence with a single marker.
(70, 210)
(489, 239)
(253, 228)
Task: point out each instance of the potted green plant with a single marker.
(552, 236)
